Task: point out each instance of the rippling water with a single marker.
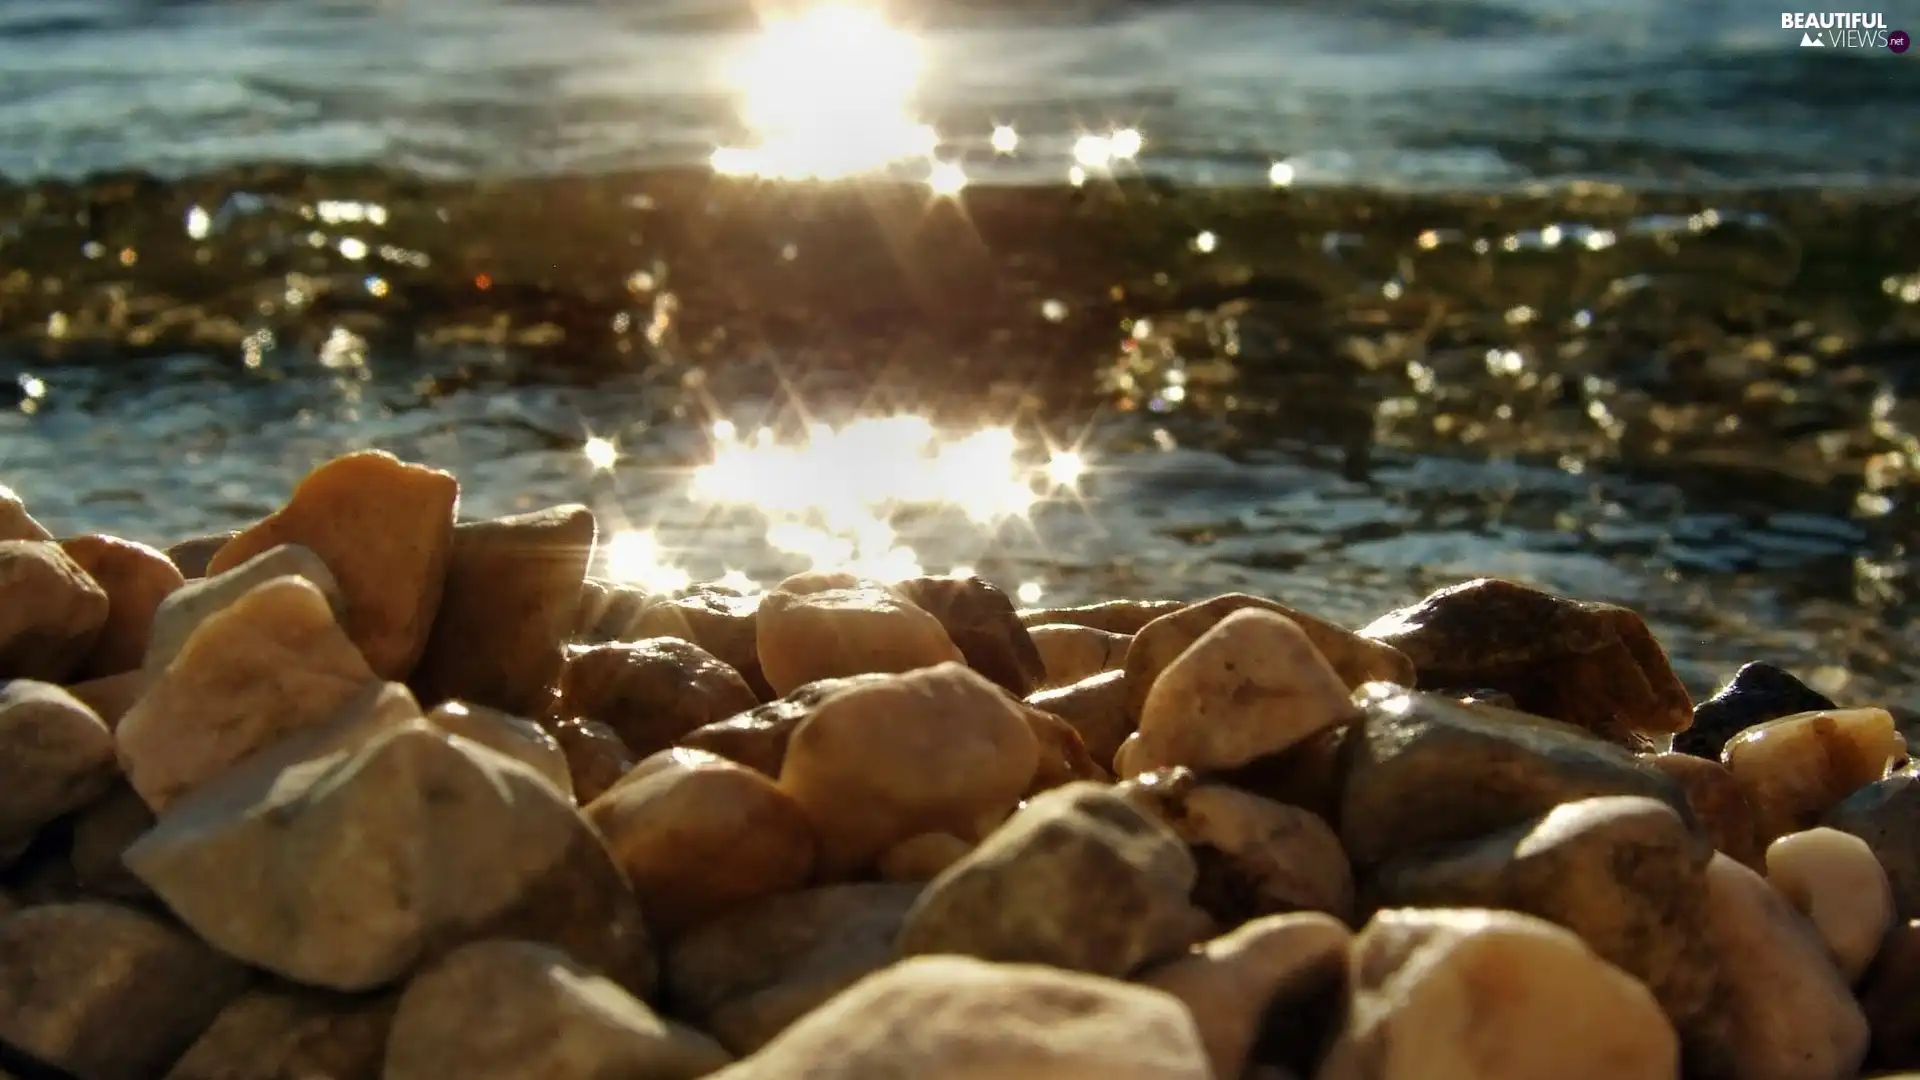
(1331, 302)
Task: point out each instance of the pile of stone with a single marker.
(359, 792)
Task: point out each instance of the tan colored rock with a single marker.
(1079, 878)
(101, 835)
(385, 529)
(1463, 994)
(270, 664)
(136, 579)
(1795, 769)
(1096, 707)
(1420, 769)
(1833, 879)
(1063, 756)
(981, 623)
(1625, 873)
(51, 611)
(192, 555)
(111, 696)
(805, 633)
(747, 975)
(105, 992)
(1232, 984)
(922, 858)
(515, 1010)
(596, 757)
(522, 740)
(721, 622)
(184, 609)
(758, 737)
(1782, 1012)
(1114, 616)
(698, 835)
(1252, 685)
(940, 749)
(286, 1033)
(511, 598)
(651, 693)
(1890, 999)
(15, 522)
(1070, 653)
(385, 853)
(56, 756)
(1886, 814)
(1595, 666)
(951, 1018)
(1719, 804)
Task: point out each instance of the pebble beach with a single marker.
(367, 789)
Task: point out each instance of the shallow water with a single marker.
(1694, 390)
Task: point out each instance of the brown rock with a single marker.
(1596, 666)
(286, 1033)
(191, 556)
(758, 737)
(1063, 756)
(651, 693)
(855, 629)
(136, 578)
(15, 522)
(1890, 998)
(698, 835)
(522, 740)
(721, 622)
(596, 758)
(1113, 616)
(982, 624)
(56, 756)
(106, 992)
(1796, 769)
(51, 611)
(922, 858)
(1071, 653)
(1307, 774)
(1833, 879)
(1718, 801)
(614, 614)
(184, 609)
(935, 750)
(111, 696)
(1096, 707)
(1886, 814)
(101, 835)
(385, 529)
(512, 594)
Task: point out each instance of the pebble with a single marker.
(51, 611)
(56, 756)
(1890, 999)
(1757, 693)
(981, 622)
(922, 858)
(1886, 814)
(192, 554)
(1719, 804)
(1070, 653)
(385, 529)
(1833, 879)
(758, 737)
(522, 740)
(814, 626)
(184, 609)
(1080, 878)
(15, 522)
(1063, 754)
(1595, 666)
(288, 1033)
(652, 692)
(1096, 707)
(935, 750)
(1492, 995)
(511, 595)
(1114, 616)
(596, 758)
(136, 579)
(723, 623)
(111, 696)
(955, 1018)
(102, 832)
(1796, 769)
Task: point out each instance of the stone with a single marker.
(758, 737)
(111, 696)
(1251, 686)
(1782, 1011)
(1254, 856)
(385, 853)
(652, 692)
(953, 1018)
(272, 663)
(1307, 774)
(56, 756)
(101, 835)
(749, 974)
(1886, 814)
(724, 624)
(939, 749)
(1420, 770)
(1096, 707)
(509, 1010)
(1833, 879)
(192, 555)
(15, 522)
(385, 529)
(1063, 756)
(981, 623)
(1595, 666)
(136, 579)
(596, 757)
(106, 992)
(1071, 653)
(1622, 872)
(1466, 994)
(1079, 878)
(855, 629)
(1114, 616)
(1274, 965)
(698, 835)
(184, 609)
(1890, 1000)
(290, 1033)
(1796, 769)
(1757, 693)
(615, 613)
(522, 740)
(511, 596)
(51, 612)
(1719, 803)
(922, 858)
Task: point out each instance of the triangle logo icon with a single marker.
(1808, 41)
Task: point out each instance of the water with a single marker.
(1621, 299)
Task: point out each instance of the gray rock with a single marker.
(188, 606)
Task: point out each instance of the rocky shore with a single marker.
(366, 791)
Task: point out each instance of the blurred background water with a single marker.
(1335, 302)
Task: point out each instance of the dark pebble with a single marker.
(1756, 694)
